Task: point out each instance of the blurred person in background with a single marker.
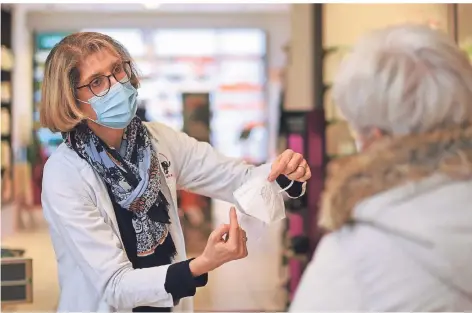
(110, 203)
(399, 212)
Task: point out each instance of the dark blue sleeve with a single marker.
(295, 190)
(180, 282)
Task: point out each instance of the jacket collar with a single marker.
(393, 162)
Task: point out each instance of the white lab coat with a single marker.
(94, 271)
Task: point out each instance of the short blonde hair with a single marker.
(58, 109)
(404, 79)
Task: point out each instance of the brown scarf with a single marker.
(392, 162)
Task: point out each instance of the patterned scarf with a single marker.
(132, 177)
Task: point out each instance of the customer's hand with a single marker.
(291, 164)
(220, 250)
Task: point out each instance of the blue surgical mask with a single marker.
(117, 108)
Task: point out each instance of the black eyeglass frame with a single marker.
(109, 81)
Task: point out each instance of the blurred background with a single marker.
(251, 79)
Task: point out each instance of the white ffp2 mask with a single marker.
(262, 199)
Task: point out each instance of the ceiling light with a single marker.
(151, 5)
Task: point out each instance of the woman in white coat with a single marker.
(400, 211)
(109, 201)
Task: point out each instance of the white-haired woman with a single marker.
(400, 211)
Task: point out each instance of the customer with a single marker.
(399, 212)
(110, 206)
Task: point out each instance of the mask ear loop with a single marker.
(88, 118)
(288, 187)
(82, 101)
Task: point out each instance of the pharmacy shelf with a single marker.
(6, 108)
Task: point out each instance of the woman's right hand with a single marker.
(221, 250)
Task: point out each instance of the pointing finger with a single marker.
(233, 225)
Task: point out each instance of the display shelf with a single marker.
(326, 136)
(43, 43)
(6, 108)
(334, 121)
(5, 75)
(330, 50)
(295, 126)
(294, 255)
(6, 54)
(332, 157)
(339, 139)
(289, 254)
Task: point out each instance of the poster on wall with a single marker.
(196, 209)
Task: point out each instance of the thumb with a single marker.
(217, 234)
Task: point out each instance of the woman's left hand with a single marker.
(291, 164)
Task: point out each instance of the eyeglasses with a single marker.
(101, 85)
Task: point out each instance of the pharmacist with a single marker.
(111, 202)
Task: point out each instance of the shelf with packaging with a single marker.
(5, 75)
(329, 50)
(339, 137)
(335, 121)
(329, 140)
(7, 58)
(290, 254)
(296, 248)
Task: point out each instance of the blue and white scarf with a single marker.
(132, 177)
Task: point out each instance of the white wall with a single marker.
(464, 24)
(344, 23)
(299, 93)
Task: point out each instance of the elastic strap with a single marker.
(288, 187)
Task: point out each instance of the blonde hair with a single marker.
(59, 110)
(404, 79)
